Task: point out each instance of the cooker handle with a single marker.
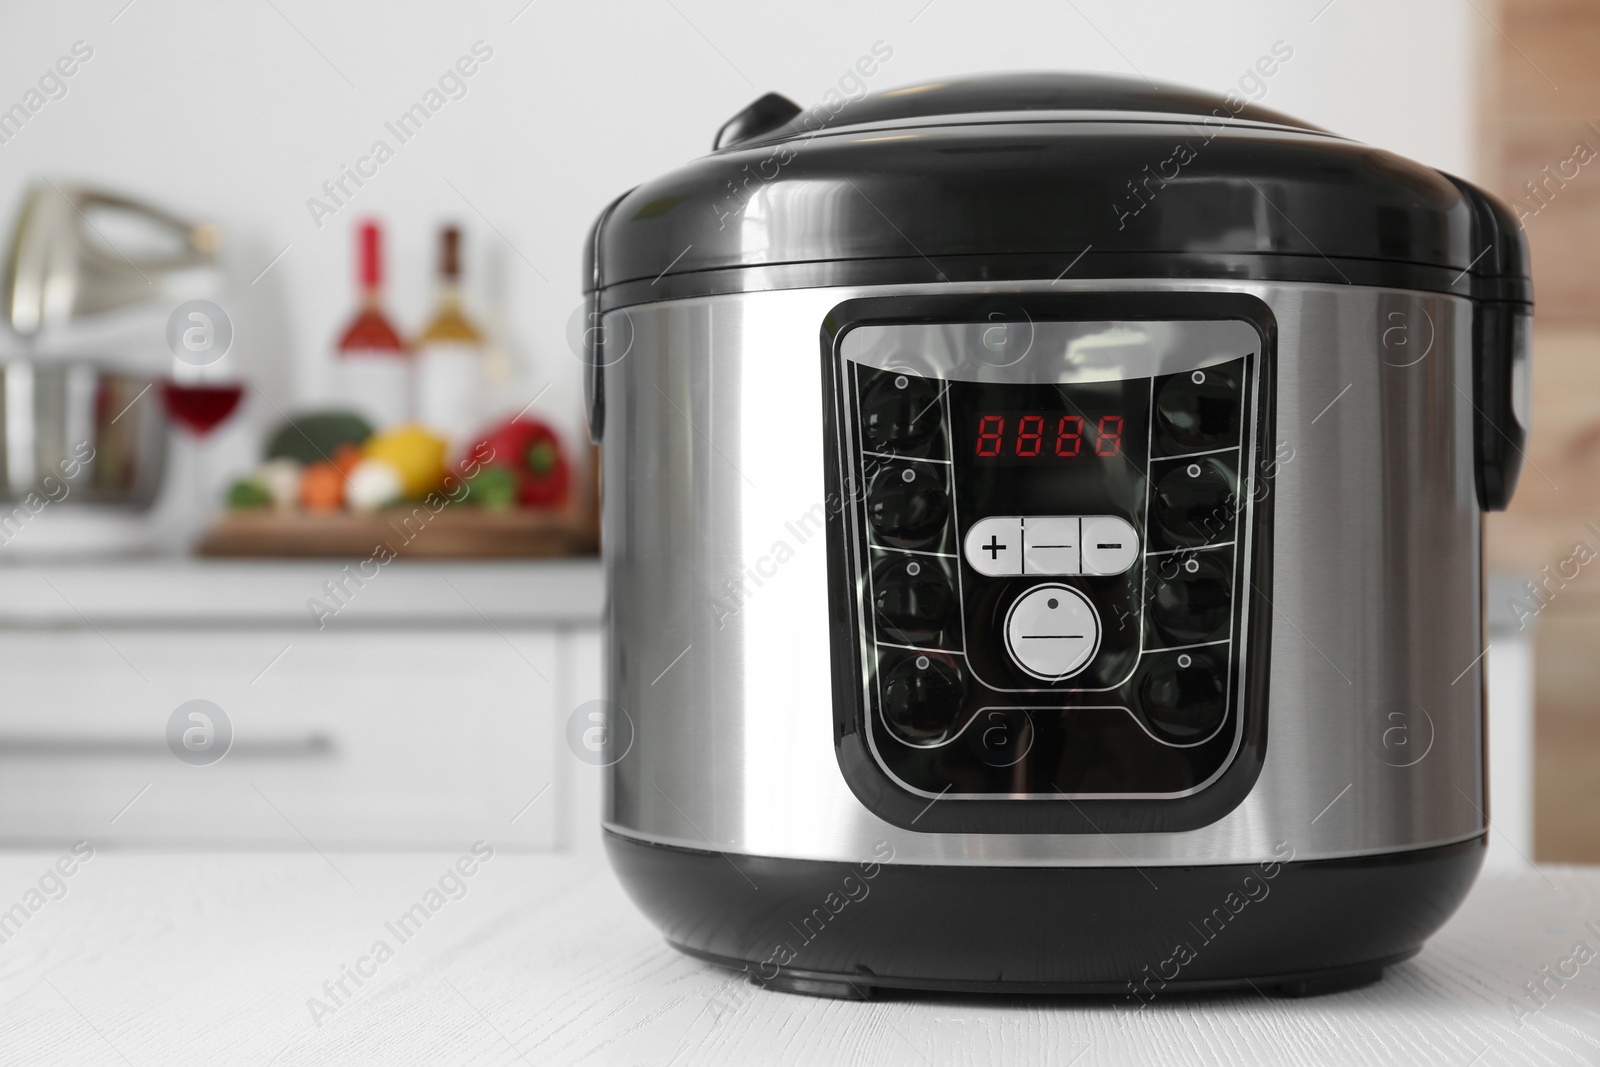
(594, 380)
(1502, 319)
(761, 116)
(1501, 391)
(589, 342)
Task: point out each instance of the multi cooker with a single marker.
(1043, 524)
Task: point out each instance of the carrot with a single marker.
(345, 457)
(322, 488)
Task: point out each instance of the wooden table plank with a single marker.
(213, 958)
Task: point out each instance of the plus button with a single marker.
(993, 545)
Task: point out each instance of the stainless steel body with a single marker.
(77, 432)
(719, 624)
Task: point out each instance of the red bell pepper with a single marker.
(532, 452)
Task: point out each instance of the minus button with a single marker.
(1050, 544)
(1110, 544)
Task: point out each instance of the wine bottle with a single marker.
(373, 368)
(450, 378)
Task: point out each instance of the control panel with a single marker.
(1048, 552)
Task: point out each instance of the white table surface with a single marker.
(211, 958)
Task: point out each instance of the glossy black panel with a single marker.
(1045, 451)
(853, 929)
(985, 673)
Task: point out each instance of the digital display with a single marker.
(1046, 436)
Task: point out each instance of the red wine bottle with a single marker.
(373, 367)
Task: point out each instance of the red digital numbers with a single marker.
(990, 428)
(1109, 443)
(1069, 435)
(1030, 435)
(1028, 440)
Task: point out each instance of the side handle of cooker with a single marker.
(590, 341)
(1501, 387)
(594, 370)
(1502, 318)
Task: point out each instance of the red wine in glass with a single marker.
(200, 407)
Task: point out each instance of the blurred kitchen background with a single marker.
(221, 543)
(1540, 135)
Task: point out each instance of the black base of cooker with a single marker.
(832, 929)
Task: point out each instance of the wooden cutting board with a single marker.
(407, 532)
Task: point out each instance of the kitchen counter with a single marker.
(395, 707)
(275, 592)
(223, 958)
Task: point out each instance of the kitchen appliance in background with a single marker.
(89, 279)
(450, 379)
(373, 367)
(1043, 527)
(63, 268)
(80, 432)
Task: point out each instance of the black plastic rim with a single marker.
(849, 929)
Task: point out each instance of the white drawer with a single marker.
(357, 737)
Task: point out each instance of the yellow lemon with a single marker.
(416, 454)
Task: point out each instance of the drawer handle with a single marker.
(67, 746)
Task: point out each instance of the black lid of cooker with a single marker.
(1034, 175)
(1002, 96)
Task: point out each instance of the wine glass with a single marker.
(203, 387)
(200, 405)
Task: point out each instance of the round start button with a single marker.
(1052, 632)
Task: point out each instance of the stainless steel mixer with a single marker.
(81, 420)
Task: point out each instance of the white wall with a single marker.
(239, 111)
